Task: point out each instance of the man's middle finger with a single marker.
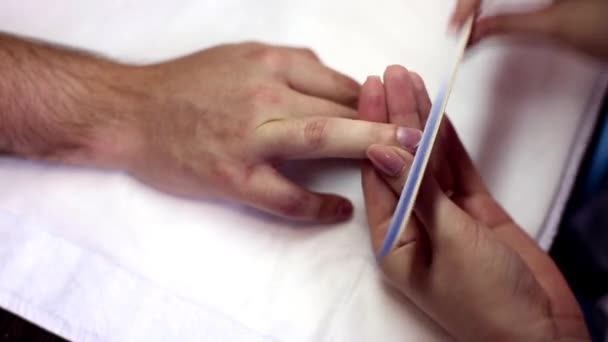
(302, 105)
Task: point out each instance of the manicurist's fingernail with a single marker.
(386, 160)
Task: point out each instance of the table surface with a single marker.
(518, 120)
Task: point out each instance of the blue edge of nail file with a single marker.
(412, 184)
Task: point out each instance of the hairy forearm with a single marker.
(62, 105)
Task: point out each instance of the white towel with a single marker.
(96, 256)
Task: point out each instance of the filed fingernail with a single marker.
(408, 138)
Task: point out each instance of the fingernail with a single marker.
(409, 138)
(344, 209)
(386, 160)
(373, 78)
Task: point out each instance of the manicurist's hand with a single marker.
(462, 260)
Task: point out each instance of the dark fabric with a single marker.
(581, 247)
(15, 329)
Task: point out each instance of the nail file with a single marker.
(412, 185)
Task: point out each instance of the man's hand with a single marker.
(229, 114)
(215, 123)
(462, 259)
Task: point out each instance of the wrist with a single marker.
(97, 126)
(113, 138)
(100, 126)
(62, 105)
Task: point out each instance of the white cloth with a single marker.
(95, 256)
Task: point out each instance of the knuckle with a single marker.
(308, 53)
(270, 57)
(315, 133)
(224, 173)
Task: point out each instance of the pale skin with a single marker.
(462, 260)
(214, 124)
(578, 24)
